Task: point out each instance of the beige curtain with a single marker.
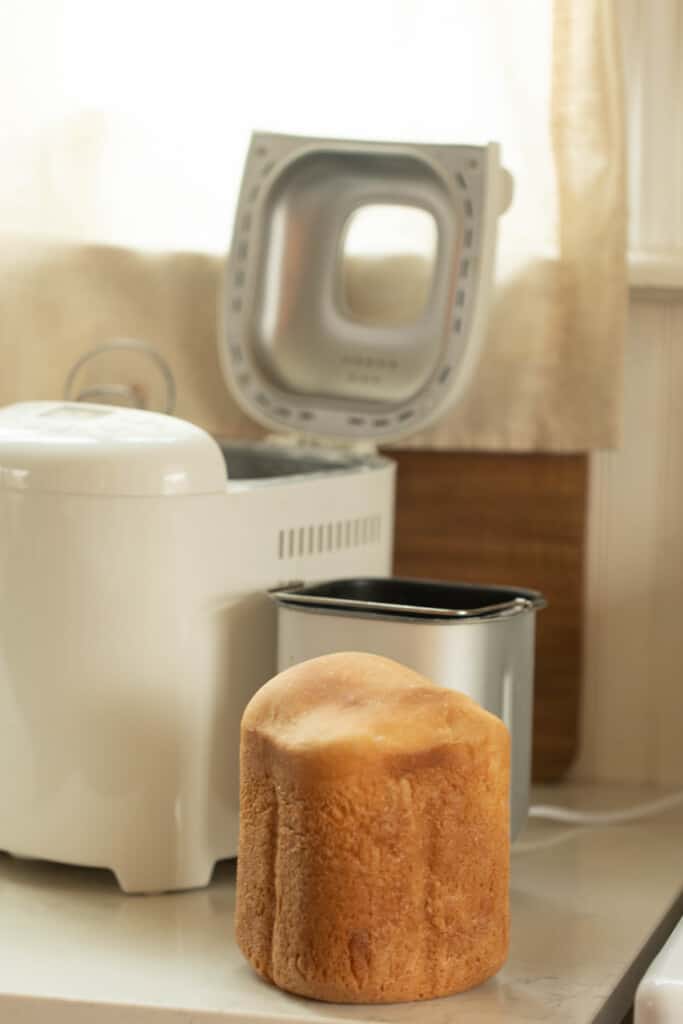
(549, 377)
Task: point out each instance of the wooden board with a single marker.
(515, 519)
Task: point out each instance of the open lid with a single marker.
(329, 332)
(79, 448)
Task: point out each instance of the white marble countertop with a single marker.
(590, 907)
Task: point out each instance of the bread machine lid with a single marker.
(357, 288)
(74, 448)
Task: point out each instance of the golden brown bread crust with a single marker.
(374, 834)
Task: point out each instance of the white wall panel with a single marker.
(632, 719)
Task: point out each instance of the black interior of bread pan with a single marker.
(416, 593)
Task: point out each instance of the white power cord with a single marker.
(569, 816)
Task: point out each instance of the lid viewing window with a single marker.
(388, 257)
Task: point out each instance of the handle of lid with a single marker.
(121, 393)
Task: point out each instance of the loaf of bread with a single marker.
(374, 834)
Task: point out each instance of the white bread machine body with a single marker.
(134, 626)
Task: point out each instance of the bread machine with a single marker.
(136, 550)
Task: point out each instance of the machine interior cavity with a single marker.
(260, 462)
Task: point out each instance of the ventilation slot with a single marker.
(328, 538)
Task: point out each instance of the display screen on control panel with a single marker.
(69, 411)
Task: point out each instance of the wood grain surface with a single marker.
(512, 519)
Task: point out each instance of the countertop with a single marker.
(590, 907)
